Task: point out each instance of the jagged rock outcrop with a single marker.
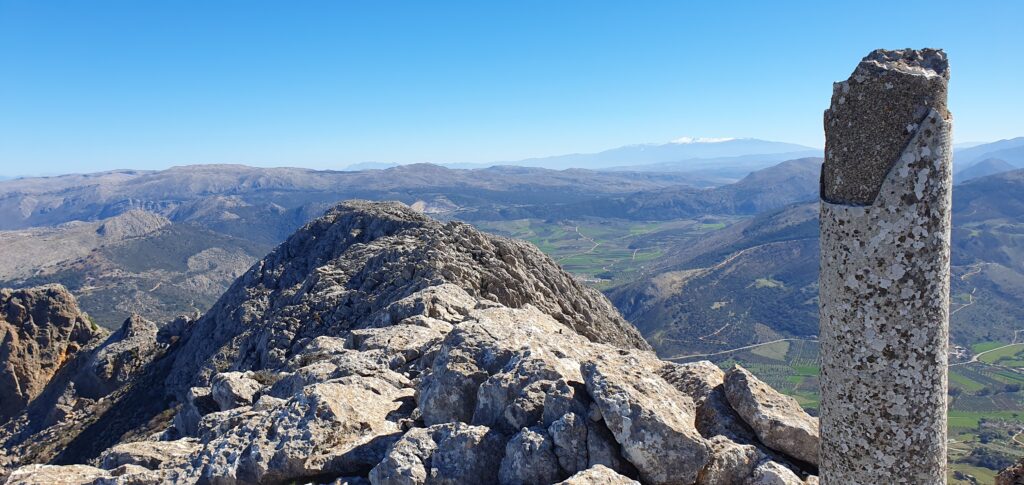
(377, 346)
(41, 329)
(79, 392)
(119, 358)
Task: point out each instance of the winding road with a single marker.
(745, 347)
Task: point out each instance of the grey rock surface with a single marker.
(151, 455)
(772, 473)
(121, 356)
(352, 264)
(451, 454)
(652, 420)
(233, 389)
(598, 474)
(530, 459)
(56, 475)
(704, 382)
(777, 419)
(730, 462)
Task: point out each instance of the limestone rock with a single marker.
(233, 389)
(359, 259)
(731, 463)
(376, 346)
(652, 420)
(569, 436)
(56, 475)
(778, 420)
(529, 459)
(41, 329)
(495, 367)
(149, 454)
(119, 358)
(450, 454)
(598, 474)
(332, 427)
(772, 473)
(198, 403)
(704, 382)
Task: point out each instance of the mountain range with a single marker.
(376, 345)
(685, 154)
(196, 228)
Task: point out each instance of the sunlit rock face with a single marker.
(41, 329)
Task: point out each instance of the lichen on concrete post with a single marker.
(886, 187)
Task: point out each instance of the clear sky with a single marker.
(94, 85)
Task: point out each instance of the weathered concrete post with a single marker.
(886, 188)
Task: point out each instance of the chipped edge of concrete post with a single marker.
(886, 193)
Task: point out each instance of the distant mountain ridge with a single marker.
(234, 194)
(674, 154)
(986, 167)
(765, 189)
(1010, 151)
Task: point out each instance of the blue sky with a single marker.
(95, 85)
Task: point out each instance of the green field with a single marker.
(1000, 355)
(603, 252)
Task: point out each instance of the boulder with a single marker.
(335, 427)
(119, 358)
(496, 367)
(778, 420)
(198, 403)
(651, 420)
(151, 455)
(598, 474)
(233, 389)
(704, 382)
(448, 454)
(530, 459)
(772, 473)
(731, 463)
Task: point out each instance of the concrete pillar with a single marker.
(886, 188)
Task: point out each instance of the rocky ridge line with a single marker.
(378, 346)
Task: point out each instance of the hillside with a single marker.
(1010, 151)
(379, 346)
(133, 263)
(984, 168)
(769, 188)
(271, 202)
(756, 281)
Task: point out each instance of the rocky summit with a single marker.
(379, 346)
